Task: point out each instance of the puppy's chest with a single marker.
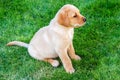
(70, 35)
(67, 35)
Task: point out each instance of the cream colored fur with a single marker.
(55, 40)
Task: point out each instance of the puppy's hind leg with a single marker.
(34, 52)
(54, 63)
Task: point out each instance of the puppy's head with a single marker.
(69, 16)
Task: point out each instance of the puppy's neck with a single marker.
(62, 30)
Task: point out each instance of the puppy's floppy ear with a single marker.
(63, 18)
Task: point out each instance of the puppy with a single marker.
(55, 40)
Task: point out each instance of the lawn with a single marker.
(97, 42)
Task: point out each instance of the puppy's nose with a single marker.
(84, 19)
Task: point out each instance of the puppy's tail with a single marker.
(18, 43)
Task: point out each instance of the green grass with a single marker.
(98, 42)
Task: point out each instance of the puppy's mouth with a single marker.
(78, 25)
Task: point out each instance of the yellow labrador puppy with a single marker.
(55, 40)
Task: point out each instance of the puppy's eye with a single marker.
(75, 16)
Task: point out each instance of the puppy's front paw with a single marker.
(76, 57)
(70, 70)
